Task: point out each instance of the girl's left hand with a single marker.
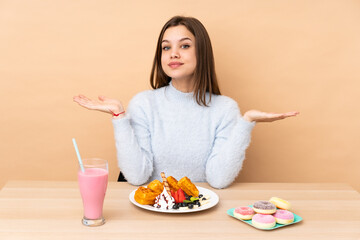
(258, 116)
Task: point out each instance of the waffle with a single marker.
(145, 196)
(173, 183)
(156, 186)
(188, 187)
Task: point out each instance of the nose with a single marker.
(175, 53)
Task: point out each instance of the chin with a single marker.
(179, 76)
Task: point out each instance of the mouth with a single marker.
(175, 64)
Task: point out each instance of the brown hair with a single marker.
(205, 76)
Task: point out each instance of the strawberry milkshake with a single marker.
(93, 183)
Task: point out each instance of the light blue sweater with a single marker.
(165, 130)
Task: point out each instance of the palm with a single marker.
(258, 116)
(104, 104)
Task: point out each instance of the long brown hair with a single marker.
(205, 76)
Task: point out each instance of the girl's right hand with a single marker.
(104, 104)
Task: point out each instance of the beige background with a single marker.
(270, 55)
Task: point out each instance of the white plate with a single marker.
(214, 199)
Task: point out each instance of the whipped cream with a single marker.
(164, 200)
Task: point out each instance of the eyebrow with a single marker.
(183, 39)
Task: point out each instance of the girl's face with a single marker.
(178, 57)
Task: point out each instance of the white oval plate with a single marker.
(214, 199)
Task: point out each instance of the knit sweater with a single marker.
(166, 130)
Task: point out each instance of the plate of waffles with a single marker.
(172, 196)
(211, 199)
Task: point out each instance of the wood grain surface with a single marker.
(53, 210)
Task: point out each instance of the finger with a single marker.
(285, 115)
(108, 100)
(274, 115)
(84, 97)
(102, 98)
(86, 100)
(82, 101)
(78, 99)
(85, 105)
(291, 114)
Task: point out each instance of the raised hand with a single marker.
(258, 116)
(104, 104)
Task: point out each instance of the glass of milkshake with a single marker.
(93, 183)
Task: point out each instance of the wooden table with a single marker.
(53, 210)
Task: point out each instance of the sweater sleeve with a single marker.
(228, 151)
(133, 143)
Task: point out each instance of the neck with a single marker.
(183, 85)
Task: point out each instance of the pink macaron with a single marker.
(284, 217)
(263, 221)
(244, 213)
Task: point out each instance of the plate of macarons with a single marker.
(266, 215)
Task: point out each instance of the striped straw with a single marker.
(78, 155)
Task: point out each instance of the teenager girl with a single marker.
(184, 127)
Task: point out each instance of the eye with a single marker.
(185, 46)
(166, 48)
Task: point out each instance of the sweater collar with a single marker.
(173, 92)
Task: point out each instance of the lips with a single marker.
(175, 64)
